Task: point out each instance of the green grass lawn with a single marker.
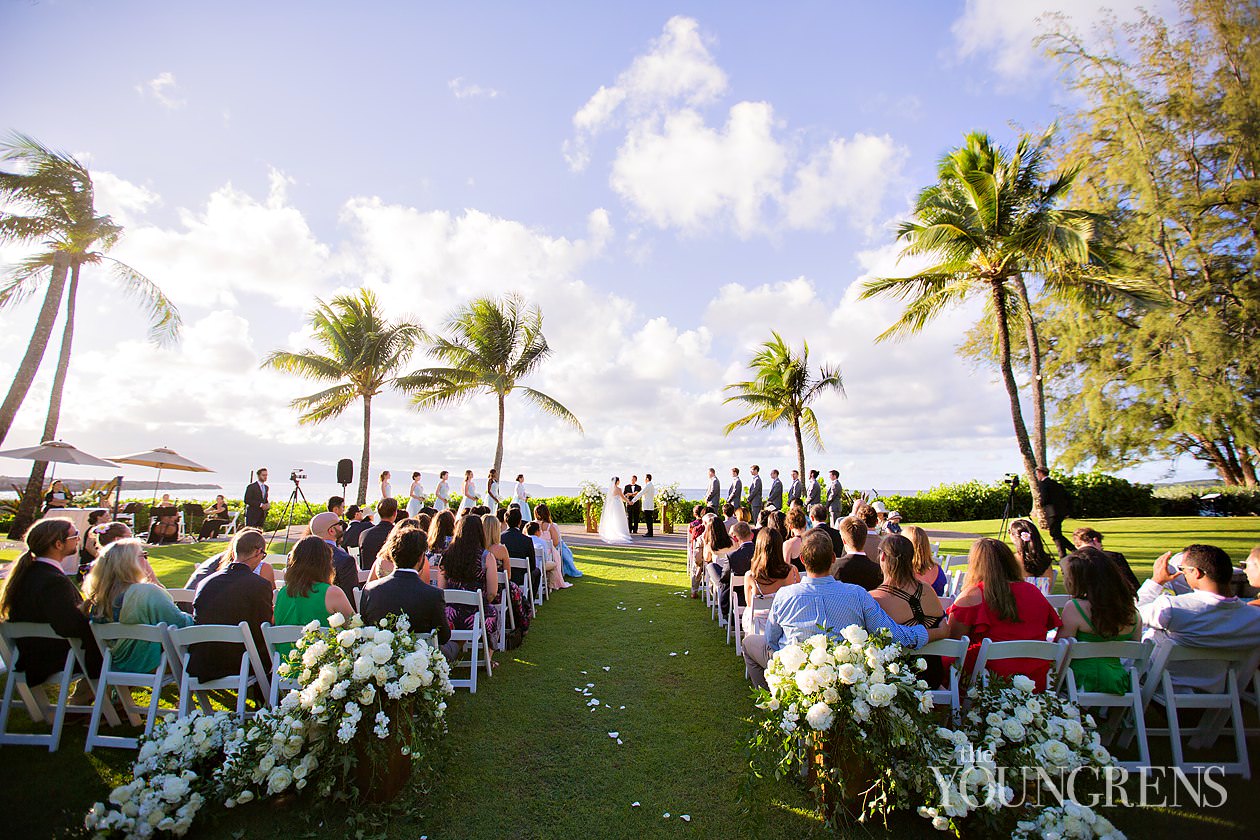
(527, 758)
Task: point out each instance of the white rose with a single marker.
(362, 668)
(1074, 731)
(381, 653)
(819, 656)
(1100, 755)
(926, 703)
(384, 637)
(1013, 729)
(336, 620)
(791, 657)
(1023, 683)
(346, 638)
(311, 627)
(818, 640)
(855, 635)
(940, 823)
(1056, 753)
(820, 716)
(881, 694)
(861, 709)
(848, 673)
(1023, 715)
(807, 680)
(367, 695)
(279, 780)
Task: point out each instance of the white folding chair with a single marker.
(358, 598)
(122, 682)
(1238, 666)
(185, 638)
(230, 527)
(7, 658)
(734, 612)
(473, 641)
(1043, 584)
(273, 636)
(353, 551)
(15, 680)
(991, 651)
(364, 574)
(523, 564)
(544, 587)
(507, 619)
(1135, 656)
(182, 596)
(957, 650)
(279, 573)
(957, 579)
(1058, 601)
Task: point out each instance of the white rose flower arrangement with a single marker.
(365, 691)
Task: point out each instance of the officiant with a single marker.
(634, 503)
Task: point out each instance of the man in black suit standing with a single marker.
(813, 492)
(402, 592)
(1057, 505)
(796, 490)
(520, 546)
(257, 500)
(775, 497)
(754, 494)
(327, 527)
(371, 540)
(231, 596)
(735, 493)
(714, 499)
(634, 506)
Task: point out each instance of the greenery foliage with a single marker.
(1094, 495)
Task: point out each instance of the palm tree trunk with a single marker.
(367, 448)
(29, 508)
(1034, 369)
(800, 446)
(1012, 392)
(29, 365)
(498, 452)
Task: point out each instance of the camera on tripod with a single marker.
(297, 475)
(1012, 480)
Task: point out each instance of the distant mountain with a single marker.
(78, 485)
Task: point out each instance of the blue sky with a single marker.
(669, 181)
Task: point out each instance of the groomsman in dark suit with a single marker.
(796, 492)
(835, 497)
(714, 499)
(754, 494)
(735, 494)
(634, 510)
(775, 497)
(257, 501)
(813, 490)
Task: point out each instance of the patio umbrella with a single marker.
(55, 452)
(163, 459)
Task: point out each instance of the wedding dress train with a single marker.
(614, 527)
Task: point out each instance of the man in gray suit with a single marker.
(735, 494)
(796, 493)
(754, 494)
(714, 499)
(775, 497)
(813, 490)
(835, 497)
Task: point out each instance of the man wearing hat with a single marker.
(327, 526)
(894, 522)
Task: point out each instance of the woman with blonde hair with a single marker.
(998, 604)
(493, 530)
(118, 590)
(926, 569)
(797, 524)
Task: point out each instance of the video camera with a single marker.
(297, 475)
(1011, 480)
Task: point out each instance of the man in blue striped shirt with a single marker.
(820, 603)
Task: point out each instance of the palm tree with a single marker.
(363, 353)
(781, 391)
(991, 221)
(56, 191)
(490, 346)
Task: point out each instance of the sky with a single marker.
(668, 182)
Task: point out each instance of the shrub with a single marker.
(1184, 500)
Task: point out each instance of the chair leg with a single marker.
(94, 727)
(1174, 725)
(473, 665)
(59, 717)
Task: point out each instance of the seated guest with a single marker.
(1101, 610)
(38, 590)
(520, 546)
(696, 527)
(743, 515)
(714, 544)
(1252, 568)
(337, 505)
(560, 551)
(57, 496)
(423, 521)
(797, 524)
(778, 521)
(1082, 537)
(869, 513)
(371, 540)
(231, 595)
(441, 531)
(893, 526)
(767, 573)
(89, 549)
(819, 514)
(1207, 616)
(357, 525)
(220, 561)
(492, 530)
(405, 591)
(216, 517)
(308, 593)
(327, 527)
(728, 513)
(546, 556)
(736, 562)
(118, 589)
(854, 566)
(998, 604)
(1031, 553)
(384, 565)
(906, 599)
(468, 566)
(821, 601)
(926, 568)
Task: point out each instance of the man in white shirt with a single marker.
(1206, 616)
(648, 496)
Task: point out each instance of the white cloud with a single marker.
(1004, 31)
(124, 201)
(164, 89)
(674, 170)
(464, 89)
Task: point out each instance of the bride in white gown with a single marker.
(614, 528)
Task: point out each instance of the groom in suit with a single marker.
(735, 494)
(256, 501)
(634, 507)
(796, 493)
(775, 497)
(714, 499)
(754, 494)
(649, 502)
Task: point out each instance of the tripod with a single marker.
(286, 515)
(1011, 483)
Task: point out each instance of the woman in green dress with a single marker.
(308, 594)
(1101, 610)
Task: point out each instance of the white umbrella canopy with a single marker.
(55, 451)
(163, 459)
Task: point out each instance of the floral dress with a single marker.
(461, 615)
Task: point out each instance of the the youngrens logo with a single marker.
(977, 782)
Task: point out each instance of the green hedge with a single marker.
(1095, 495)
(1183, 500)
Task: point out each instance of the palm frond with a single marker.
(551, 406)
(165, 322)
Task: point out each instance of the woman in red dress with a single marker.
(997, 604)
